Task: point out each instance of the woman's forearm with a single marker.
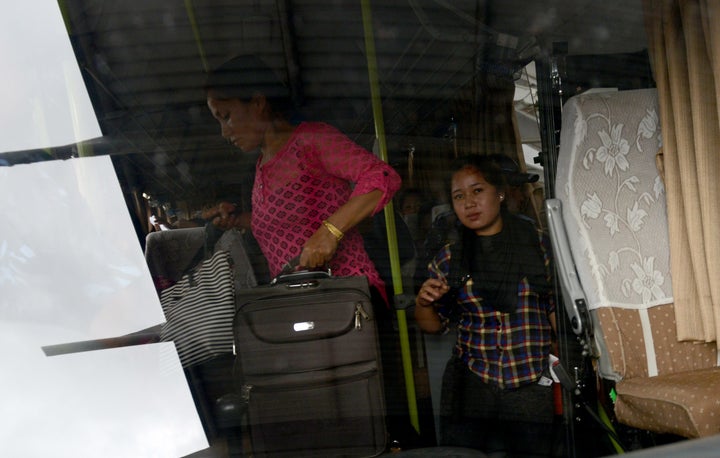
(355, 210)
(428, 319)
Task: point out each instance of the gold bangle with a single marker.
(333, 230)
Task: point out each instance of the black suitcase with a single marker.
(309, 367)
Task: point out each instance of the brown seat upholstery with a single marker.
(684, 398)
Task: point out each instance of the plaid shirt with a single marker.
(505, 349)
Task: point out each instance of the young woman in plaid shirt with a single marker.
(494, 288)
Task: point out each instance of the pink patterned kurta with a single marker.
(305, 183)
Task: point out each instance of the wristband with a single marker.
(333, 230)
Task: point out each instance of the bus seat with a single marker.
(608, 224)
(169, 254)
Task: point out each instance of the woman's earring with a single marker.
(502, 196)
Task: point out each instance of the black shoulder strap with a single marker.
(457, 275)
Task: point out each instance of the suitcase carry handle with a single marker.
(298, 278)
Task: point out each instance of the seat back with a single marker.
(613, 209)
(171, 254)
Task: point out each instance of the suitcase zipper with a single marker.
(245, 393)
(247, 389)
(360, 312)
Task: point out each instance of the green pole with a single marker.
(190, 10)
(606, 420)
(390, 216)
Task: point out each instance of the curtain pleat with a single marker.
(683, 37)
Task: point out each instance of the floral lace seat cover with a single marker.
(613, 208)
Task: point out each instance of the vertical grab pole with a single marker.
(190, 10)
(390, 216)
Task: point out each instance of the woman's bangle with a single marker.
(333, 230)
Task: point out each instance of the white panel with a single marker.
(72, 269)
(122, 402)
(44, 102)
(69, 255)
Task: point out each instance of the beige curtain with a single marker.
(684, 45)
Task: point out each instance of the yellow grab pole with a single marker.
(606, 420)
(390, 216)
(190, 10)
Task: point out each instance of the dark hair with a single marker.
(489, 169)
(245, 75)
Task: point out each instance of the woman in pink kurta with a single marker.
(306, 182)
(313, 184)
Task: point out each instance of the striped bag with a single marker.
(199, 311)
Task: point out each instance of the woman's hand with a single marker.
(425, 315)
(226, 215)
(159, 224)
(430, 291)
(319, 249)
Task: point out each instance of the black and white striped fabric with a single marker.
(199, 311)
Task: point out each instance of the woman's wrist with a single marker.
(424, 304)
(337, 233)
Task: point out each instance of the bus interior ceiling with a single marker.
(144, 64)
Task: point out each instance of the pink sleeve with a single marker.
(343, 158)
